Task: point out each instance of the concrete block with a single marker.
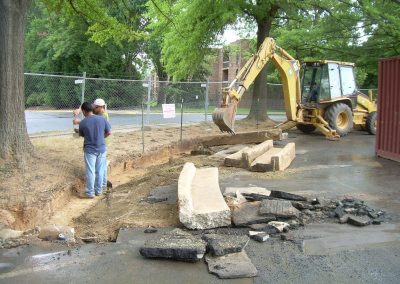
(235, 159)
(234, 265)
(276, 159)
(221, 155)
(201, 204)
(263, 163)
(249, 155)
(177, 245)
(278, 208)
(285, 157)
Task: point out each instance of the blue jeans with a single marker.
(105, 171)
(95, 163)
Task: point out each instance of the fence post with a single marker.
(181, 119)
(83, 91)
(83, 88)
(142, 128)
(206, 102)
(148, 102)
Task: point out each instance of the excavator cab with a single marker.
(330, 87)
(324, 81)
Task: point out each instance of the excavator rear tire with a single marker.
(306, 128)
(370, 123)
(340, 118)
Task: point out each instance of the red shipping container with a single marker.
(388, 124)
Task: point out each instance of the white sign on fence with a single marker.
(79, 81)
(168, 110)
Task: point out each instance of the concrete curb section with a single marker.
(201, 204)
(275, 159)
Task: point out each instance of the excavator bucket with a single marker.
(224, 117)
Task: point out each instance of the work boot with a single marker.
(85, 196)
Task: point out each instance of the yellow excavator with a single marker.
(318, 95)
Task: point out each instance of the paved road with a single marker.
(40, 121)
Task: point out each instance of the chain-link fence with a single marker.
(50, 99)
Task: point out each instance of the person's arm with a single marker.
(76, 119)
(107, 129)
(80, 130)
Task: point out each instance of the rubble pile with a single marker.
(260, 215)
(225, 256)
(356, 212)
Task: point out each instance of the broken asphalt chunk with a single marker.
(302, 205)
(339, 212)
(234, 265)
(177, 245)
(359, 220)
(278, 208)
(248, 213)
(260, 237)
(286, 195)
(219, 245)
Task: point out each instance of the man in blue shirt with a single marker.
(94, 129)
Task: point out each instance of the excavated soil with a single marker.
(45, 191)
(126, 205)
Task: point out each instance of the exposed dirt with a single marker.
(45, 191)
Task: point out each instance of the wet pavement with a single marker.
(330, 253)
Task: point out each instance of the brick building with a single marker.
(229, 61)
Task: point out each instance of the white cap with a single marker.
(99, 102)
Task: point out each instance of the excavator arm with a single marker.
(288, 67)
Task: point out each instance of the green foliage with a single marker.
(38, 99)
(58, 40)
(188, 28)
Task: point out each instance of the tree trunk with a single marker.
(14, 140)
(258, 108)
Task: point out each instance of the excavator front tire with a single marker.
(370, 123)
(340, 118)
(306, 128)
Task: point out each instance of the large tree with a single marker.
(309, 29)
(14, 140)
(192, 27)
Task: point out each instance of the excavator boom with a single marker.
(288, 67)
